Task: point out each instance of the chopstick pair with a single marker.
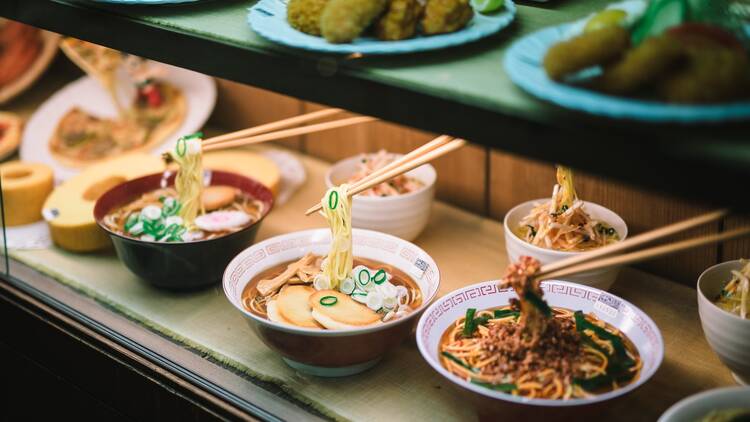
(279, 130)
(436, 148)
(605, 257)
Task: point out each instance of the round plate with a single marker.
(523, 62)
(86, 93)
(42, 62)
(145, 2)
(268, 18)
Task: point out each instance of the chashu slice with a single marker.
(344, 313)
(292, 305)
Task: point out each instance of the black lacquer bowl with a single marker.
(180, 266)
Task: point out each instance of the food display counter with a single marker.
(168, 269)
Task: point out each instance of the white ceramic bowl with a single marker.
(697, 406)
(331, 353)
(516, 247)
(636, 325)
(404, 216)
(728, 334)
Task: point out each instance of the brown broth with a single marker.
(398, 278)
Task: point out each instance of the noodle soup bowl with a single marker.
(517, 247)
(331, 353)
(404, 215)
(727, 333)
(184, 265)
(496, 405)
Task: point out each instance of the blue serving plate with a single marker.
(268, 18)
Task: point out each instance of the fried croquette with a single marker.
(710, 74)
(586, 50)
(304, 15)
(344, 20)
(640, 66)
(399, 20)
(442, 16)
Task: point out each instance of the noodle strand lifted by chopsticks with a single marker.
(189, 179)
(337, 212)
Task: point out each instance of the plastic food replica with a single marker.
(336, 292)
(399, 185)
(735, 295)
(562, 223)
(157, 110)
(341, 21)
(532, 350)
(681, 51)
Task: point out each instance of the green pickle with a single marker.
(605, 19)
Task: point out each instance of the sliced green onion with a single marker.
(459, 362)
(181, 147)
(328, 300)
(367, 277)
(380, 277)
(504, 387)
(469, 322)
(333, 200)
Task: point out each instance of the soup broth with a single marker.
(257, 303)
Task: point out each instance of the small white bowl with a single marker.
(331, 353)
(727, 333)
(516, 247)
(697, 406)
(494, 405)
(404, 216)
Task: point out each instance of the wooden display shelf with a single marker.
(463, 91)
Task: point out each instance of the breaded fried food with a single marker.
(399, 20)
(586, 50)
(711, 74)
(344, 20)
(443, 16)
(304, 15)
(640, 66)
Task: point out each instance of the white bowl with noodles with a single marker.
(516, 247)
(404, 215)
(331, 353)
(727, 333)
(495, 405)
(696, 407)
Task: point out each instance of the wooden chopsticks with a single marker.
(269, 132)
(426, 153)
(604, 257)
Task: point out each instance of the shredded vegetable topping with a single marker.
(734, 295)
(399, 185)
(562, 222)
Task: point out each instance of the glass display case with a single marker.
(117, 312)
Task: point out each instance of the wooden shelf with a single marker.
(462, 91)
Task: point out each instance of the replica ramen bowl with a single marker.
(180, 265)
(698, 406)
(727, 333)
(516, 246)
(495, 405)
(331, 353)
(403, 215)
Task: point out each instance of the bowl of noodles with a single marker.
(142, 217)
(556, 228)
(724, 308)
(400, 206)
(563, 345)
(332, 302)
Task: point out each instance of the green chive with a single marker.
(502, 313)
(469, 322)
(538, 303)
(459, 362)
(504, 387)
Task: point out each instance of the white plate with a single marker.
(199, 90)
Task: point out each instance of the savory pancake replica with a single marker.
(158, 110)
